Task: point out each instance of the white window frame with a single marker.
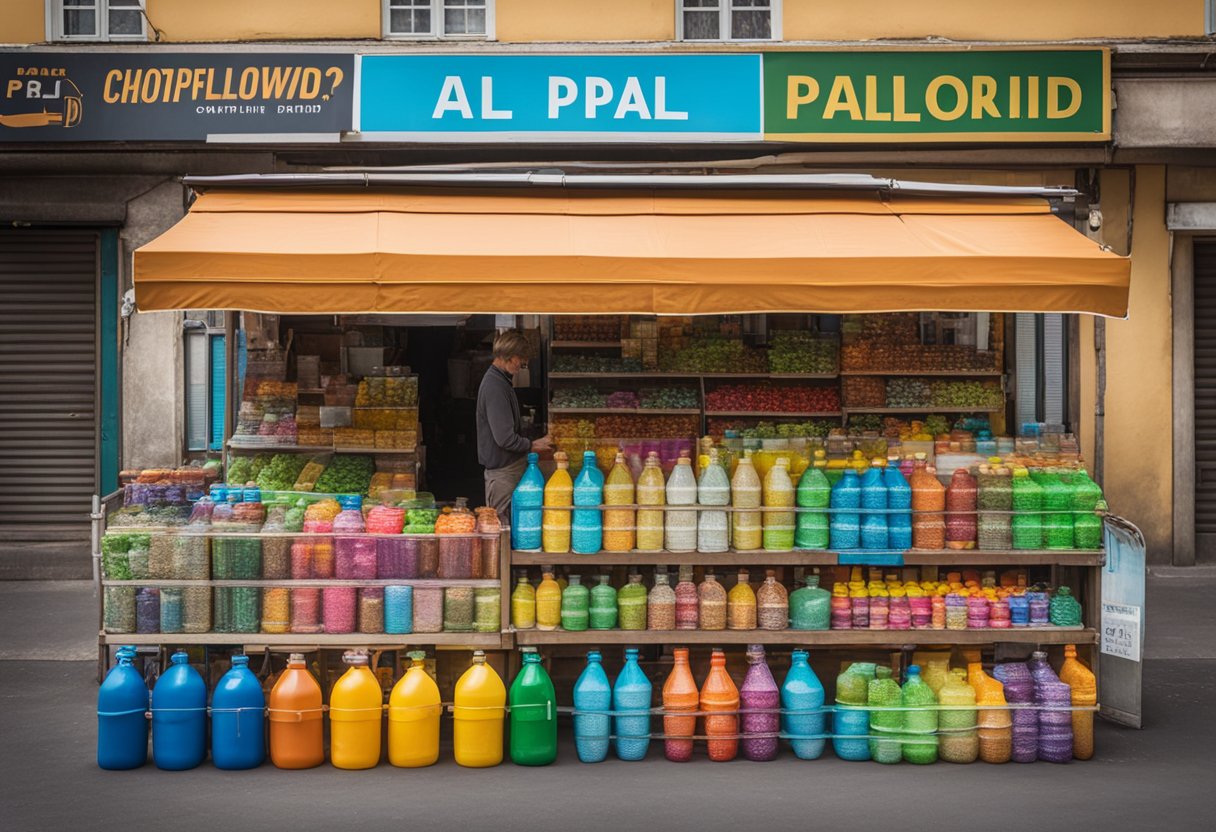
(54, 24)
(1209, 17)
(724, 10)
(436, 33)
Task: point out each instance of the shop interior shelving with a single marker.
(812, 638)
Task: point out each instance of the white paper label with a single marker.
(1121, 631)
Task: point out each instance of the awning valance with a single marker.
(615, 252)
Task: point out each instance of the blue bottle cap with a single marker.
(240, 661)
(631, 654)
(180, 657)
(533, 459)
(594, 656)
(914, 670)
(798, 655)
(126, 653)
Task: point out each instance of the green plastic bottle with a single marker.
(814, 491)
(576, 605)
(884, 693)
(603, 605)
(920, 726)
(631, 604)
(810, 606)
(533, 705)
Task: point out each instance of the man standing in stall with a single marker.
(500, 446)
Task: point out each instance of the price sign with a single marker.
(1121, 631)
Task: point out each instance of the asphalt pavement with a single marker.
(1160, 777)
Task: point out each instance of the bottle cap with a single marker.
(355, 658)
(240, 661)
(295, 658)
(180, 658)
(416, 656)
(594, 656)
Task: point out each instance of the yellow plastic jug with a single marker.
(1084, 692)
(479, 707)
(523, 603)
(995, 722)
(559, 491)
(356, 706)
(413, 717)
(651, 491)
(548, 603)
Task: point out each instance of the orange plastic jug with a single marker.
(479, 708)
(995, 722)
(356, 708)
(1084, 692)
(679, 694)
(720, 694)
(413, 717)
(295, 717)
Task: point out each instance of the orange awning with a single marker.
(617, 252)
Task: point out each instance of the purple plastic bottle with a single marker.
(1019, 690)
(1054, 698)
(759, 692)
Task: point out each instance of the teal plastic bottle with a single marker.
(533, 706)
(122, 722)
(814, 491)
(845, 526)
(874, 496)
(899, 496)
(593, 697)
(238, 719)
(920, 726)
(603, 611)
(587, 525)
(526, 504)
(810, 606)
(802, 715)
(885, 726)
(631, 697)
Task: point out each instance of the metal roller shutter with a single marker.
(48, 377)
(1205, 398)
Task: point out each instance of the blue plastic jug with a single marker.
(631, 703)
(899, 496)
(238, 719)
(592, 692)
(801, 694)
(122, 721)
(874, 496)
(526, 502)
(179, 717)
(587, 525)
(845, 526)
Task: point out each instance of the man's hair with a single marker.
(510, 343)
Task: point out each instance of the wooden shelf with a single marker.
(625, 411)
(490, 641)
(928, 373)
(814, 638)
(914, 410)
(668, 375)
(317, 449)
(591, 345)
(774, 414)
(761, 557)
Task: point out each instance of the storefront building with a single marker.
(102, 117)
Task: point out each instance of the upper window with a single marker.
(439, 19)
(728, 20)
(97, 20)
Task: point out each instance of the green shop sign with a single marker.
(937, 96)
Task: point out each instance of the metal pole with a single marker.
(1100, 400)
(231, 394)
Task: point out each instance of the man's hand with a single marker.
(545, 443)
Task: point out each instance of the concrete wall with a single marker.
(23, 21)
(225, 20)
(585, 20)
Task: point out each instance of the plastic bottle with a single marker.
(631, 604)
(813, 492)
(1054, 698)
(687, 601)
(874, 498)
(631, 697)
(651, 491)
(995, 527)
(899, 496)
(592, 703)
(920, 725)
(928, 501)
(778, 526)
(746, 526)
(295, 718)
(958, 741)
(772, 604)
(759, 695)
(713, 527)
(1019, 690)
(1027, 503)
(1057, 505)
(852, 720)
(533, 713)
(576, 606)
(845, 525)
(414, 708)
(355, 711)
(122, 722)
(1065, 609)
(995, 723)
(179, 717)
(886, 726)
(548, 602)
(679, 695)
(741, 604)
(661, 604)
(526, 502)
(603, 612)
(238, 719)
(712, 603)
(479, 703)
(559, 491)
(681, 526)
(961, 501)
(802, 718)
(587, 524)
(523, 603)
(720, 702)
(619, 532)
(810, 606)
(1084, 693)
